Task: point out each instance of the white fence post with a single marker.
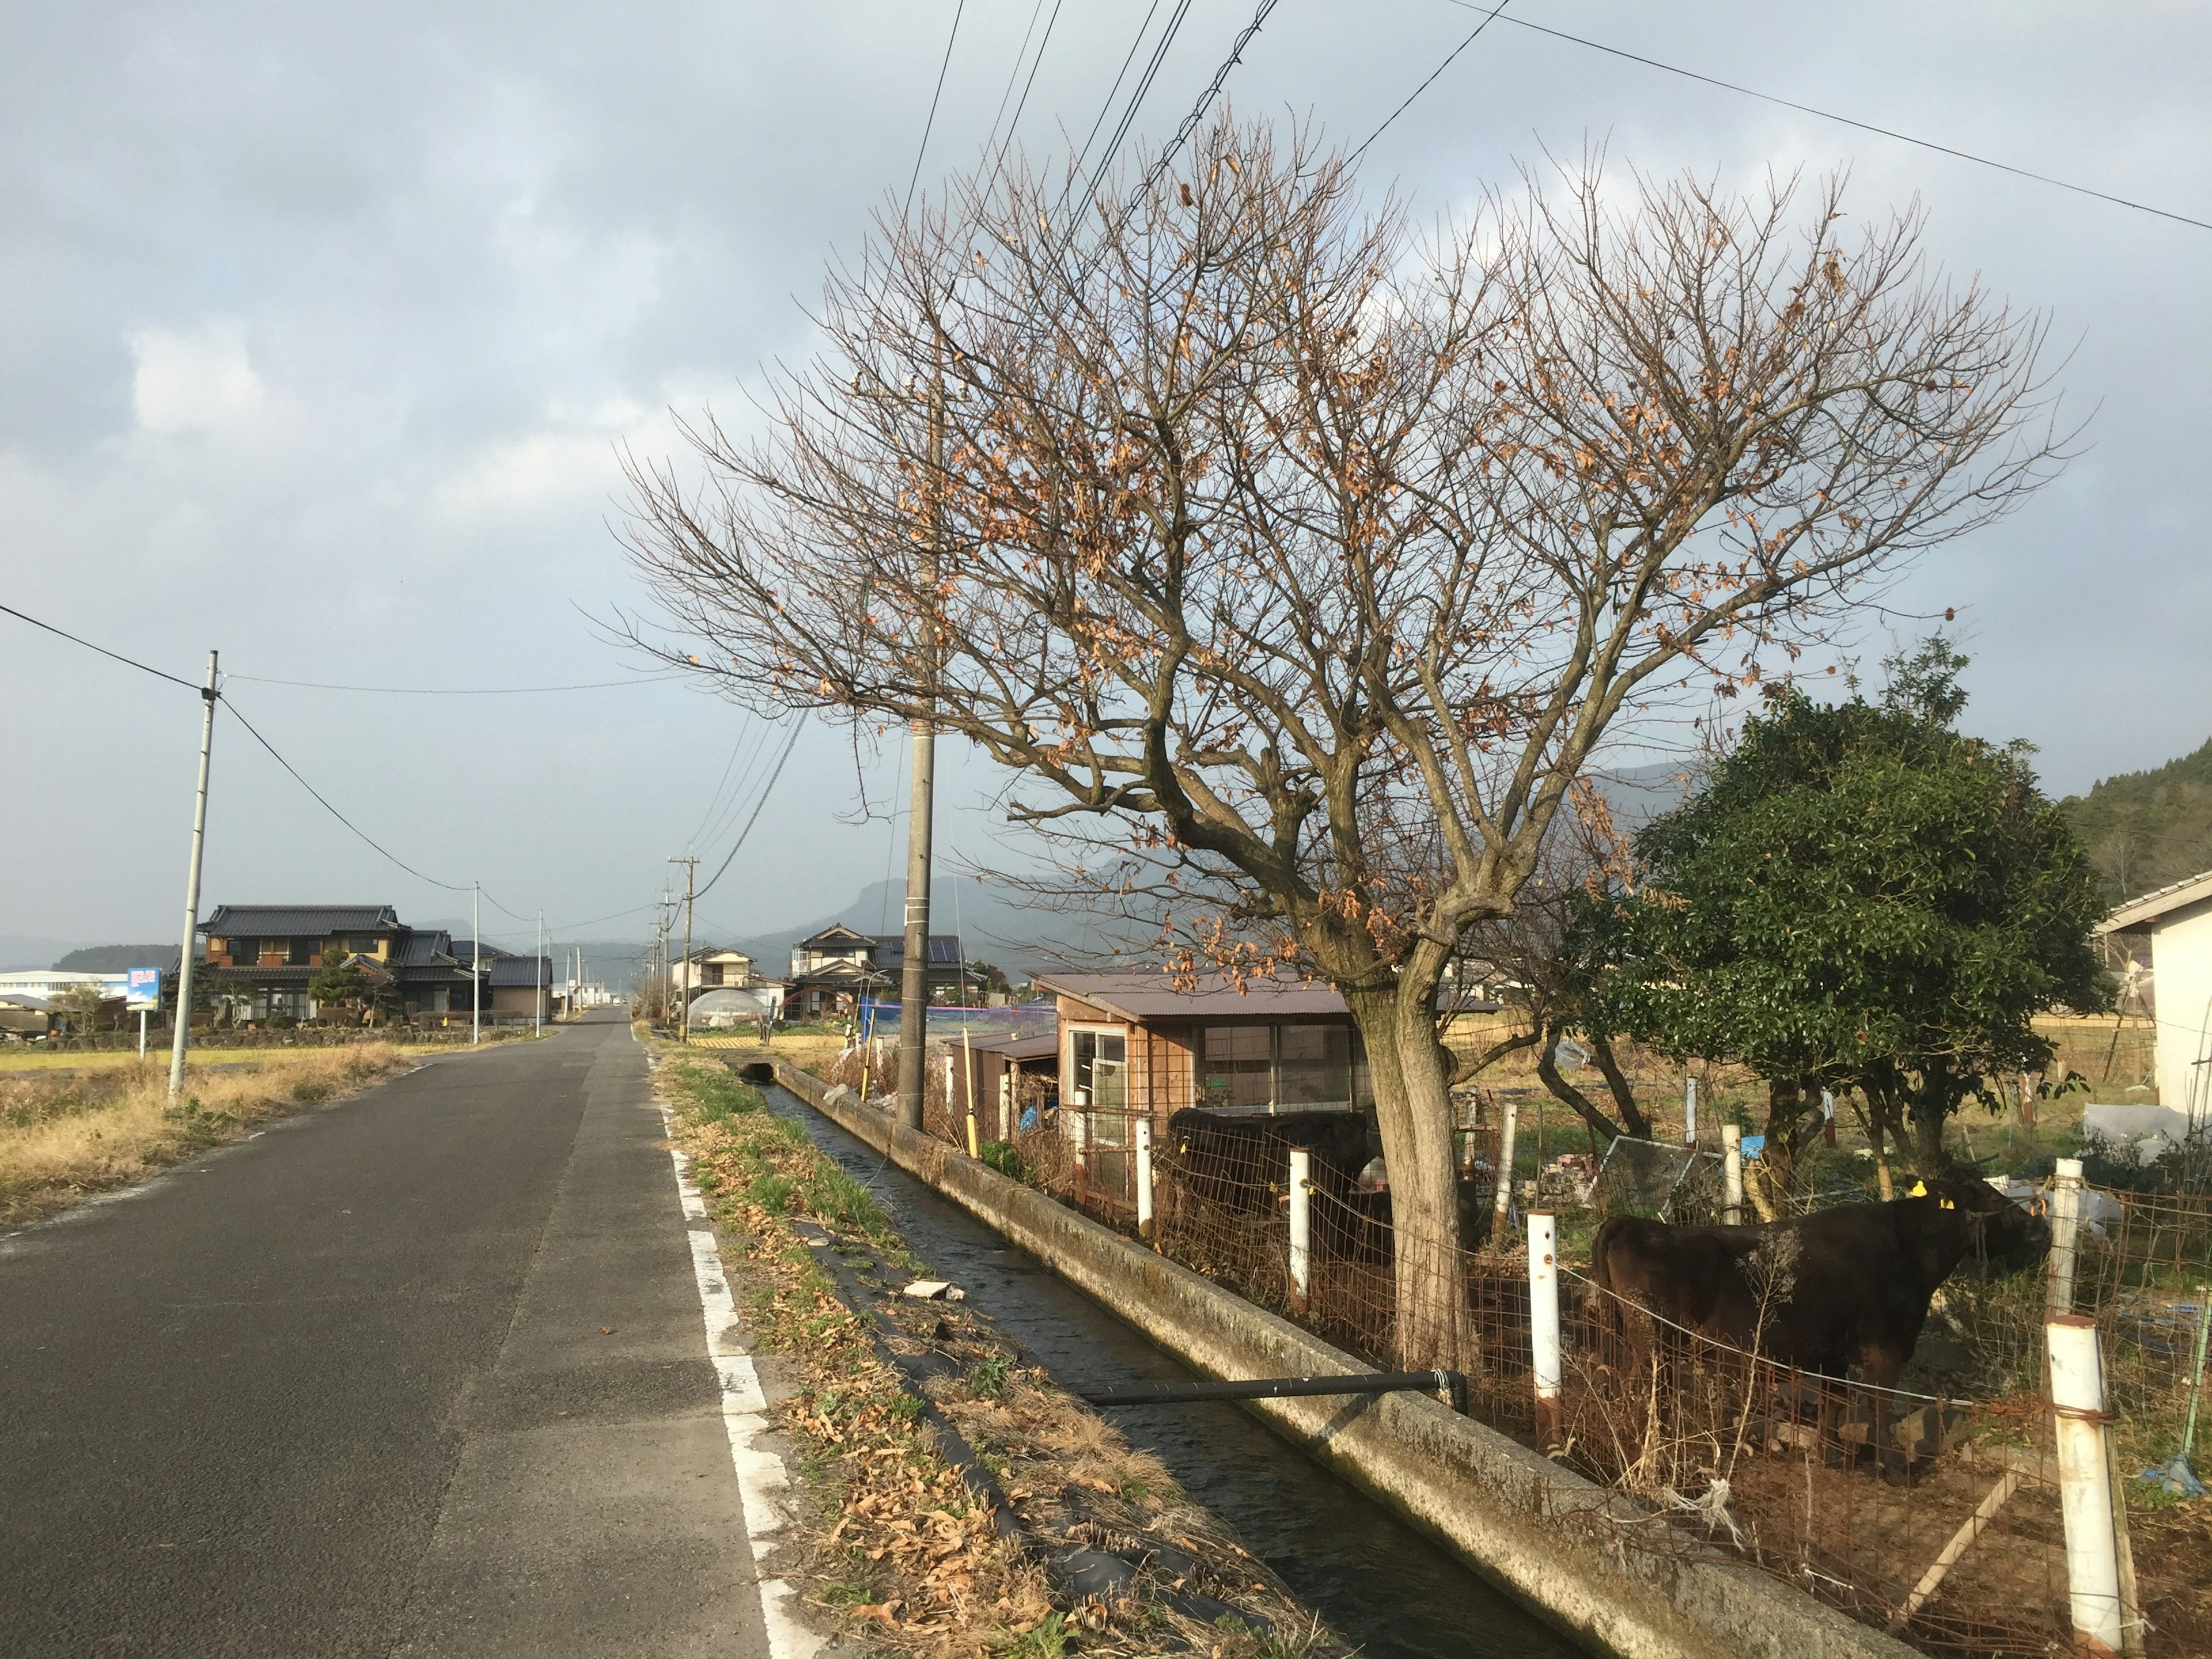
(1731, 1174)
(2066, 1229)
(1301, 1224)
(1144, 1178)
(2084, 1492)
(1544, 1324)
(1502, 1200)
(1689, 1111)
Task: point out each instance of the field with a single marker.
(65, 1136)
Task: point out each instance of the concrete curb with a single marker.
(1565, 1547)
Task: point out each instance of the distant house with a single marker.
(2174, 924)
(261, 959)
(838, 967)
(519, 989)
(711, 969)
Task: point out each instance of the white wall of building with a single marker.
(51, 982)
(2181, 968)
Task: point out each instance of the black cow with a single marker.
(1234, 1161)
(1844, 1286)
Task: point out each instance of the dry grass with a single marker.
(65, 1137)
(892, 1543)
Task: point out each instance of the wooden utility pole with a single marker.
(691, 875)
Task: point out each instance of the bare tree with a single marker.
(1305, 560)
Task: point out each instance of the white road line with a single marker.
(761, 1473)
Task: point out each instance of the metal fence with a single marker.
(1933, 1510)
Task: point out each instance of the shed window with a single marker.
(1236, 1065)
(1269, 1066)
(1100, 1070)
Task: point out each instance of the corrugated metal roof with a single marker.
(248, 920)
(1150, 993)
(2175, 896)
(1020, 1047)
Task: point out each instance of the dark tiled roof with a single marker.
(520, 971)
(417, 947)
(484, 950)
(281, 975)
(280, 920)
(836, 933)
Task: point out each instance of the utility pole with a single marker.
(476, 970)
(691, 875)
(537, 978)
(914, 982)
(192, 890)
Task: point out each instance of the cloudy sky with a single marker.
(322, 325)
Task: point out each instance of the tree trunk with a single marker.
(1409, 1071)
(1927, 1139)
(1624, 1097)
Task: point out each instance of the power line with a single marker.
(1206, 99)
(116, 656)
(767, 789)
(1433, 73)
(1863, 126)
(452, 690)
(923, 149)
(1137, 96)
(450, 887)
(1106, 108)
(1035, 63)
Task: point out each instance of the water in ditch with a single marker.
(1377, 1581)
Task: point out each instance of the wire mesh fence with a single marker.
(1931, 1510)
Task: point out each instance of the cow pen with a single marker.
(1962, 1550)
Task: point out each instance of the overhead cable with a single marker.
(115, 656)
(458, 690)
(923, 148)
(767, 789)
(1433, 73)
(1206, 99)
(450, 887)
(1863, 126)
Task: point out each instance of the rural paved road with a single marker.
(345, 1388)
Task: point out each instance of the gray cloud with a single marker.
(322, 327)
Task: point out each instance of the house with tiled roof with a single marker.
(262, 959)
(835, 971)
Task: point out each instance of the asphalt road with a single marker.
(421, 1374)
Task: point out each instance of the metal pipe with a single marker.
(1145, 1227)
(2065, 1228)
(1544, 1324)
(1451, 1384)
(2084, 1492)
(1731, 1174)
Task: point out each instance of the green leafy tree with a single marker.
(1860, 895)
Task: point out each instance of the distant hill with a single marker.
(2145, 830)
(117, 958)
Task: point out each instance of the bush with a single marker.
(1002, 1156)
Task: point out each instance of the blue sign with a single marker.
(142, 988)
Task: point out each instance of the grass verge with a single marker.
(892, 1543)
(63, 1138)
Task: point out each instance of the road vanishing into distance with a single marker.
(422, 1373)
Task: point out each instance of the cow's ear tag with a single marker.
(1947, 1203)
(1919, 1190)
